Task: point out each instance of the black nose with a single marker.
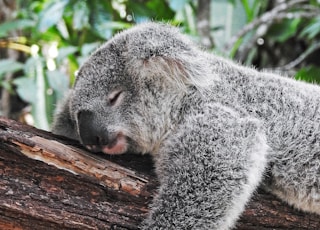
(91, 129)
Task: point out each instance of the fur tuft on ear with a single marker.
(184, 70)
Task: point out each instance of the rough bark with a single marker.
(48, 182)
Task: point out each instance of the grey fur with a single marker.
(215, 129)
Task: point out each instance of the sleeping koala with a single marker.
(216, 130)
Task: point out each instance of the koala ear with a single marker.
(184, 69)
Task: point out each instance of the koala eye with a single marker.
(115, 97)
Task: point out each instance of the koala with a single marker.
(215, 129)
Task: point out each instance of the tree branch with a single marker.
(50, 182)
(301, 58)
(267, 19)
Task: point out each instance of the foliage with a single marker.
(57, 36)
(283, 36)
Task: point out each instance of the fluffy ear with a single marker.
(63, 123)
(185, 70)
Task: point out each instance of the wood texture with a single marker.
(49, 182)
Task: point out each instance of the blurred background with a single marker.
(43, 43)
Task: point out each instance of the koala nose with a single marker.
(96, 137)
(91, 130)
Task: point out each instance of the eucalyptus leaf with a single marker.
(99, 16)
(162, 9)
(9, 66)
(26, 88)
(58, 81)
(99, 27)
(285, 29)
(63, 30)
(311, 30)
(145, 12)
(6, 27)
(81, 15)
(6, 85)
(309, 74)
(115, 25)
(51, 14)
(177, 5)
(89, 48)
(66, 51)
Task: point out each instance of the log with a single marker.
(51, 182)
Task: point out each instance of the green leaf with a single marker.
(251, 8)
(309, 74)
(235, 48)
(152, 10)
(100, 13)
(6, 27)
(63, 30)
(99, 21)
(177, 5)
(162, 9)
(312, 30)
(81, 15)
(59, 82)
(9, 66)
(248, 9)
(26, 88)
(89, 48)
(51, 14)
(66, 51)
(115, 25)
(7, 86)
(285, 29)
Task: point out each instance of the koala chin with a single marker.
(215, 129)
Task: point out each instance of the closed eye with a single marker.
(115, 97)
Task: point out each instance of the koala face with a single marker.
(108, 108)
(101, 104)
(124, 95)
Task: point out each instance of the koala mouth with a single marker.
(117, 145)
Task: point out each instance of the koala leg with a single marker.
(208, 170)
(293, 172)
(63, 123)
(295, 176)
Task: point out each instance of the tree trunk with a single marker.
(49, 182)
(203, 23)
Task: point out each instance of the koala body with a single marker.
(215, 129)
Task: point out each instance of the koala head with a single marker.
(128, 93)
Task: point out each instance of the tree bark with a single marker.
(50, 182)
